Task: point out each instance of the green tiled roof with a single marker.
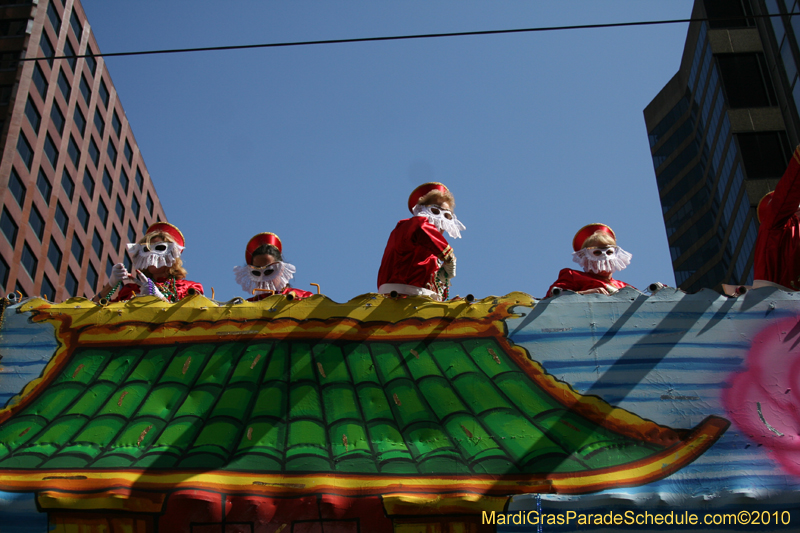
(445, 407)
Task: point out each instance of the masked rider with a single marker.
(597, 252)
(157, 268)
(264, 272)
(418, 260)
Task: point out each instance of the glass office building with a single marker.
(720, 136)
(73, 185)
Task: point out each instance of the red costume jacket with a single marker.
(182, 286)
(413, 253)
(298, 294)
(575, 280)
(777, 255)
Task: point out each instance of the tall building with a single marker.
(73, 185)
(721, 132)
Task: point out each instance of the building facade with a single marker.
(721, 132)
(73, 185)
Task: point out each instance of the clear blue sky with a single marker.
(536, 134)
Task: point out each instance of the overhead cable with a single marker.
(400, 37)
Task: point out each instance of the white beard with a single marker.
(604, 263)
(275, 282)
(452, 227)
(142, 258)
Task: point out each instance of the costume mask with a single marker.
(605, 259)
(159, 254)
(444, 219)
(272, 277)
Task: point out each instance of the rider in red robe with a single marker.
(158, 268)
(596, 250)
(417, 259)
(264, 272)
(777, 252)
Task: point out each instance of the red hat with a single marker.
(763, 205)
(422, 190)
(587, 231)
(260, 240)
(170, 230)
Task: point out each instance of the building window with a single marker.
(61, 219)
(5, 94)
(99, 123)
(126, 261)
(145, 227)
(9, 60)
(8, 227)
(54, 255)
(88, 183)
(71, 283)
(4, 270)
(57, 118)
(139, 179)
(77, 249)
(91, 62)
(80, 120)
(63, 85)
(76, 24)
(112, 153)
(40, 81)
(128, 152)
(83, 215)
(124, 180)
(109, 267)
(131, 233)
(91, 278)
(74, 153)
(54, 17)
(116, 124)
(16, 187)
(13, 27)
(50, 151)
(47, 48)
(102, 211)
(37, 223)
(25, 151)
(43, 184)
(149, 204)
(764, 154)
(135, 206)
(97, 244)
(29, 262)
(68, 185)
(94, 152)
(69, 51)
(728, 14)
(104, 93)
(86, 90)
(33, 115)
(107, 181)
(120, 209)
(746, 80)
(47, 290)
(116, 240)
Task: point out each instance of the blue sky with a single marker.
(536, 134)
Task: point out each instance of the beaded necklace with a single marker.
(169, 292)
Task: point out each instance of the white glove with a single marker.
(146, 286)
(118, 273)
(450, 267)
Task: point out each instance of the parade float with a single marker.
(399, 414)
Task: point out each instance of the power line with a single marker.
(400, 37)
